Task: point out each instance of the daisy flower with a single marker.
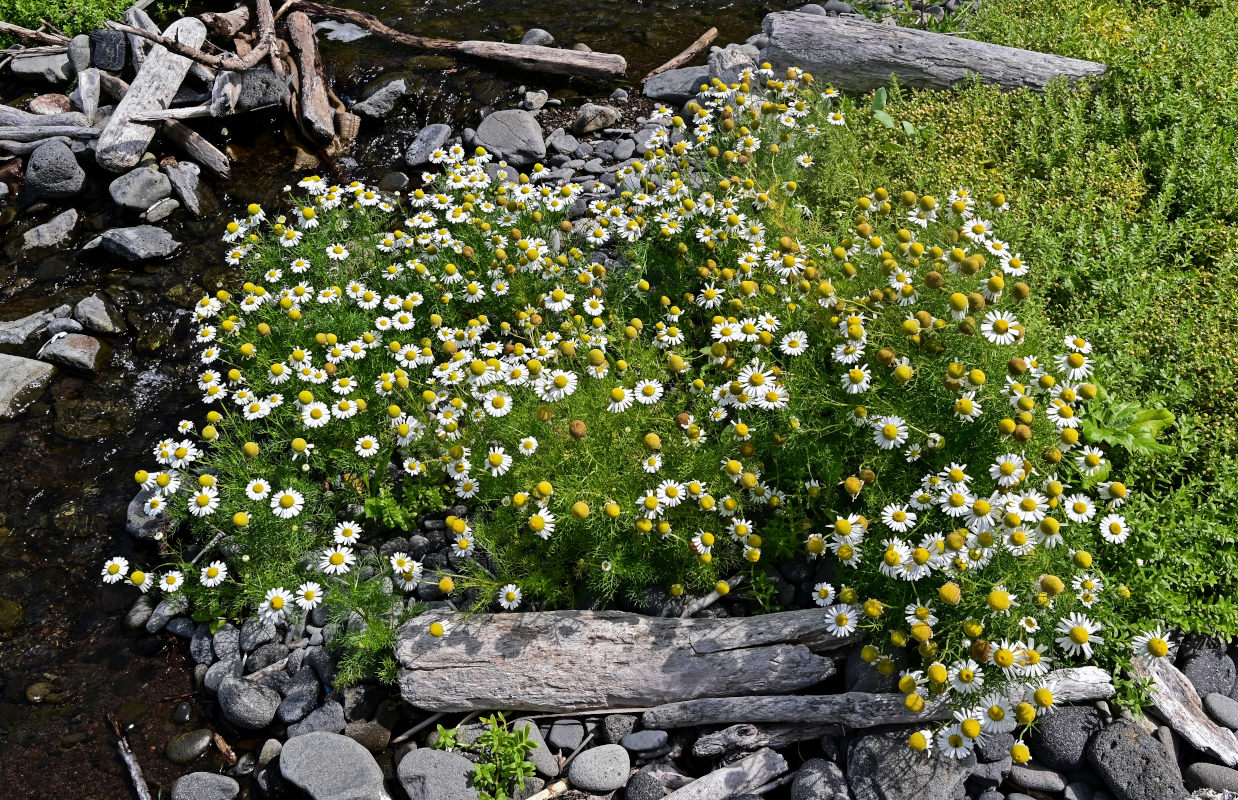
(337, 560)
(287, 504)
(509, 597)
(366, 446)
(648, 392)
(1153, 645)
(528, 446)
(966, 677)
(1078, 634)
(841, 619)
(898, 518)
(823, 594)
(274, 607)
(1113, 528)
(115, 569)
(890, 432)
(213, 574)
(620, 400)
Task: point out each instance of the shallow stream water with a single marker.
(66, 464)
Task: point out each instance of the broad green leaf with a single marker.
(879, 100)
(891, 147)
(884, 118)
(910, 129)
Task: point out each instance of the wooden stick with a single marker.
(17, 118)
(23, 149)
(226, 23)
(420, 726)
(316, 116)
(750, 737)
(553, 790)
(689, 53)
(187, 138)
(702, 603)
(267, 670)
(27, 36)
(131, 761)
(223, 747)
(266, 25)
(34, 132)
(527, 57)
(190, 112)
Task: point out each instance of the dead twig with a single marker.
(223, 747)
(688, 54)
(27, 36)
(700, 604)
(420, 726)
(131, 761)
(266, 40)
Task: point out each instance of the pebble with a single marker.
(53, 233)
(227, 642)
(182, 712)
(181, 627)
(328, 718)
(1037, 778)
(646, 741)
(205, 786)
(616, 726)
(566, 735)
(538, 37)
(139, 189)
(161, 210)
(247, 704)
(619, 95)
(600, 769)
(542, 759)
(1223, 709)
(255, 634)
(64, 326)
(201, 646)
(187, 747)
(216, 673)
(644, 786)
(265, 656)
(94, 312)
(169, 607)
(1209, 671)
(1211, 776)
(139, 243)
(1134, 765)
(1078, 790)
(139, 612)
(1059, 739)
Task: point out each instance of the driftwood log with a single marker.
(1177, 702)
(315, 113)
(752, 737)
(226, 23)
(23, 149)
(554, 661)
(16, 118)
(29, 37)
(31, 133)
(742, 777)
(185, 137)
(123, 141)
(852, 709)
(859, 56)
(686, 55)
(138, 18)
(532, 58)
(236, 63)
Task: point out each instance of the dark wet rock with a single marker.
(139, 243)
(512, 135)
(1134, 765)
(818, 779)
(247, 704)
(76, 350)
(327, 718)
(170, 606)
(22, 381)
(593, 117)
(95, 313)
(1223, 709)
(880, 765)
(860, 676)
(51, 67)
(181, 627)
(1060, 739)
(428, 139)
(301, 697)
(205, 786)
(108, 49)
(361, 700)
(382, 101)
(676, 86)
(371, 734)
(600, 769)
(321, 662)
(328, 766)
(185, 748)
(184, 177)
(1211, 776)
(1209, 671)
(22, 331)
(182, 712)
(261, 87)
(56, 232)
(542, 759)
(538, 38)
(139, 189)
(52, 172)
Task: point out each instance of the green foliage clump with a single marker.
(503, 752)
(70, 16)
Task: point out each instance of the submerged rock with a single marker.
(139, 243)
(53, 233)
(22, 381)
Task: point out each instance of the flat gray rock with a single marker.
(139, 189)
(676, 86)
(328, 718)
(428, 139)
(436, 775)
(1059, 739)
(818, 779)
(76, 350)
(184, 178)
(644, 741)
(328, 766)
(52, 172)
(880, 766)
(21, 331)
(56, 232)
(53, 67)
(169, 606)
(139, 243)
(161, 210)
(1133, 765)
(383, 100)
(600, 769)
(566, 735)
(247, 704)
(22, 381)
(205, 786)
(512, 135)
(95, 313)
(1037, 778)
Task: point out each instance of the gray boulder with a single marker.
(184, 179)
(247, 704)
(329, 718)
(139, 243)
(22, 381)
(79, 52)
(21, 331)
(328, 766)
(169, 607)
(1211, 776)
(75, 350)
(52, 172)
(139, 189)
(217, 672)
(69, 325)
(428, 139)
(880, 766)
(53, 233)
(593, 117)
(95, 313)
(205, 786)
(383, 100)
(1223, 709)
(1134, 765)
(599, 770)
(436, 775)
(52, 67)
(1209, 671)
(818, 779)
(676, 86)
(729, 63)
(1059, 739)
(542, 759)
(538, 38)
(512, 135)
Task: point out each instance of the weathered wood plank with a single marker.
(752, 737)
(1176, 700)
(859, 56)
(16, 118)
(686, 55)
(742, 777)
(30, 133)
(852, 709)
(185, 137)
(23, 149)
(576, 660)
(226, 23)
(123, 140)
(314, 109)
